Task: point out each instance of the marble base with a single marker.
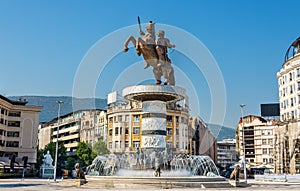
(47, 172)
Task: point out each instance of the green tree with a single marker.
(100, 148)
(39, 158)
(85, 154)
(70, 163)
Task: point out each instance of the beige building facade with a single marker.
(287, 148)
(73, 127)
(259, 141)
(125, 124)
(100, 133)
(18, 129)
(88, 126)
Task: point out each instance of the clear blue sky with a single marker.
(43, 42)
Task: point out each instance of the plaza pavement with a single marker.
(42, 184)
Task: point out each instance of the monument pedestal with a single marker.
(47, 172)
(154, 100)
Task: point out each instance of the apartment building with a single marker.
(18, 129)
(125, 124)
(227, 154)
(100, 132)
(88, 126)
(73, 127)
(258, 138)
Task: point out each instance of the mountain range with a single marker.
(50, 105)
(50, 110)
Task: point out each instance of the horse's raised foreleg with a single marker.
(139, 41)
(129, 39)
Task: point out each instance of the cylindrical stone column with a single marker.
(154, 125)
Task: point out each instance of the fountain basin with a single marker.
(156, 182)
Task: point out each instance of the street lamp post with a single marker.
(244, 142)
(56, 148)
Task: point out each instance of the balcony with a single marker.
(70, 145)
(69, 137)
(73, 129)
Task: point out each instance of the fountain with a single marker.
(153, 163)
(137, 165)
(137, 171)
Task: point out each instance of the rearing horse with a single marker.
(146, 46)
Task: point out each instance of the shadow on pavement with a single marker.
(17, 185)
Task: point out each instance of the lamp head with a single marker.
(59, 102)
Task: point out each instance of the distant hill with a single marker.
(50, 107)
(221, 132)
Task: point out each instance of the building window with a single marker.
(110, 132)
(117, 145)
(270, 141)
(126, 144)
(136, 144)
(169, 131)
(270, 151)
(14, 114)
(12, 144)
(13, 123)
(2, 132)
(169, 118)
(136, 130)
(264, 141)
(126, 130)
(126, 118)
(265, 151)
(293, 115)
(265, 160)
(119, 118)
(177, 131)
(116, 130)
(177, 119)
(110, 145)
(136, 118)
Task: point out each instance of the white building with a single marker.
(289, 84)
(227, 154)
